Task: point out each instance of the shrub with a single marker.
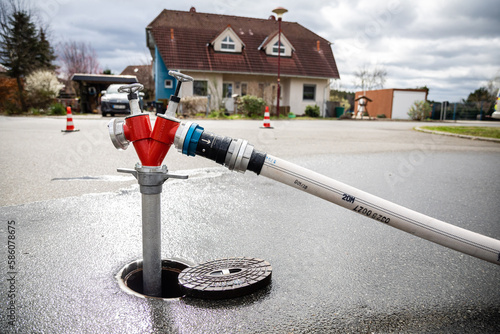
(381, 116)
(312, 111)
(57, 109)
(9, 96)
(420, 110)
(42, 87)
(251, 106)
(191, 105)
(221, 113)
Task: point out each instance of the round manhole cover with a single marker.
(225, 278)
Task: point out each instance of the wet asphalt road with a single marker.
(77, 222)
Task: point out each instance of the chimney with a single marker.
(171, 34)
(317, 45)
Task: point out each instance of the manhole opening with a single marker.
(131, 277)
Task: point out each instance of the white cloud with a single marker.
(450, 46)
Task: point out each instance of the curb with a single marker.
(495, 140)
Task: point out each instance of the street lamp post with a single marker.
(279, 13)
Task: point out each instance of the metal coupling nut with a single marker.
(117, 134)
(180, 135)
(243, 158)
(238, 155)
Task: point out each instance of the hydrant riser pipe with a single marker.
(151, 244)
(374, 207)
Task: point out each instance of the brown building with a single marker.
(393, 102)
(144, 75)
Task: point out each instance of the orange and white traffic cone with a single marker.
(70, 127)
(267, 119)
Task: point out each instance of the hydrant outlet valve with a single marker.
(116, 130)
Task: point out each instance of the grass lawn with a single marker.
(489, 132)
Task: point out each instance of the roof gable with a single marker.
(184, 41)
(270, 43)
(227, 41)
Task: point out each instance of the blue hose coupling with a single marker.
(187, 137)
(236, 154)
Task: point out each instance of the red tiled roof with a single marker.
(133, 69)
(192, 32)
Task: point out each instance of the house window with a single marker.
(228, 44)
(227, 89)
(275, 49)
(309, 92)
(244, 89)
(200, 88)
(261, 90)
(169, 84)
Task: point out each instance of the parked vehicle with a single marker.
(114, 102)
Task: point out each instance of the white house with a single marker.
(229, 55)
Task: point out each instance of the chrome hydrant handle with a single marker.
(132, 88)
(175, 99)
(181, 77)
(133, 98)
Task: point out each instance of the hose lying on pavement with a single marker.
(239, 155)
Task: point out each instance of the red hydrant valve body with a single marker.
(137, 129)
(162, 138)
(165, 129)
(151, 145)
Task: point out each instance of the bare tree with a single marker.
(494, 84)
(367, 79)
(144, 74)
(78, 57)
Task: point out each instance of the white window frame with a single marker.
(303, 91)
(282, 49)
(227, 44)
(229, 89)
(203, 83)
(246, 89)
(169, 83)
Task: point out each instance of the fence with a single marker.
(461, 111)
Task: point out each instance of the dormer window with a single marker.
(227, 44)
(227, 41)
(281, 49)
(272, 46)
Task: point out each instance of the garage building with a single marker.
(393, 102)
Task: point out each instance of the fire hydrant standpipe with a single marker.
(152, 145)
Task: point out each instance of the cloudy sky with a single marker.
(450, 46)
